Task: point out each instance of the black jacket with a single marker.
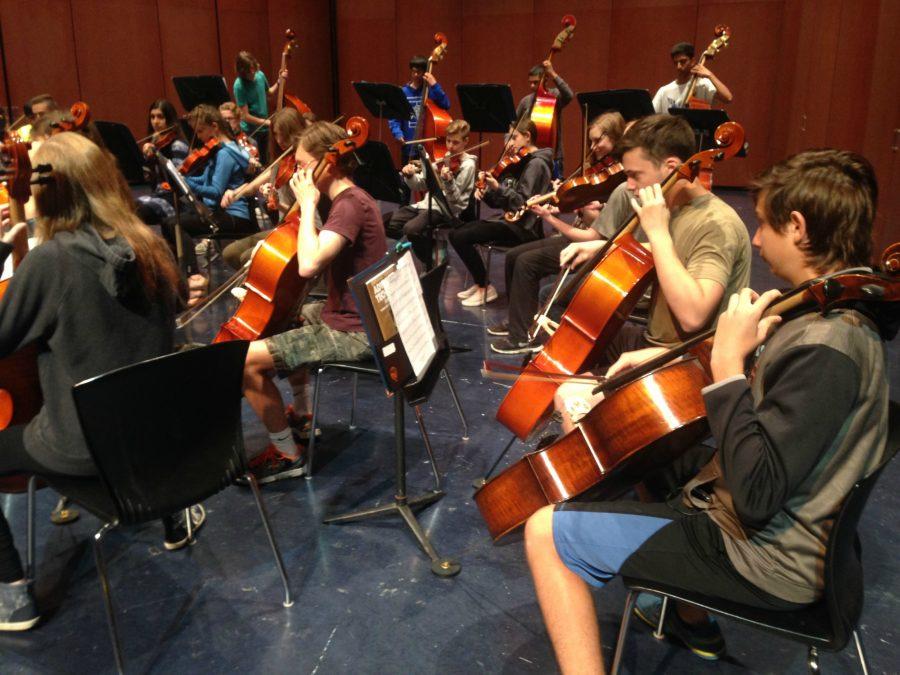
(78, 298)
(516, 188)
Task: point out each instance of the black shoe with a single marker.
(499, 329)
(272, 466)
(177, 537)
(507, 346)
(17, 608)
(703, 639)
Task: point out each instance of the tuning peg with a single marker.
(873, 291)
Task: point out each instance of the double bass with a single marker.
(432, 120)
(722, 36)
(274, 285)
(283, 99)
(543, 109)
(663, 405)
(614, 281)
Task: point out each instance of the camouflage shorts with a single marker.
(315, 342)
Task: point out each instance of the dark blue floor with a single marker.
(365, 598)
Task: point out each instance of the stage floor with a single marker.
(365, 598)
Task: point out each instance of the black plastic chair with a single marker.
(431, 287)
(827, 624)
(159, 448)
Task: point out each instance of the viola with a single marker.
(722, 36)
(594, 185)
(432, 120)
(649, 415)
(80, 117)
(198, 158)
(274, 287)
(613, 282)
(290, 43)
(543, 109)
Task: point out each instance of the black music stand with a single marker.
(120, 142)
(383, 100)
(400, 379)
(193, 90)
(631, 103)
(704, 122)
(376, 173)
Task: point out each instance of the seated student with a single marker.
(701, 253)
(564, 96)
(527, 264)
(531, 176)
(97, 294)
(709, 87)
(405, 130)
(413, 221)
(34, 109)
(287, 125)
(163, 121)
(351, 240)
(793, 436)
(250, 90)
(225, 168)
(232, 116)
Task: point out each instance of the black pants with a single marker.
(194, 226)
(500, 232)
(418, 227)
(526, 265)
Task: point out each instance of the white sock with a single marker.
(284, 442)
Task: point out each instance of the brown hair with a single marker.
(231, 107)
(289, 124)
(836, 192)
(458, 128)
(40, 98)
(527, 126)
(244, 64)
(209, 115)
(659, 136)
(610, 123)
(320, 136)
(85, 188)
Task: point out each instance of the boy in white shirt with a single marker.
(709, 87)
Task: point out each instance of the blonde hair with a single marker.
(85, 188)
(458, 128)
(318, 137)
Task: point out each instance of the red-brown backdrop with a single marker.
(805, 73)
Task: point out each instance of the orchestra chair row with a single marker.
(159, 448)
(431, 288)
(827, 624)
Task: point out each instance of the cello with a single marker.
(663, 405)
(614, 280)
(723, 35)
(432, 120)
(274, 286)
(543, 109)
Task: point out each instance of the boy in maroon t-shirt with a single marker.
(351, 239)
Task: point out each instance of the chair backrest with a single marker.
(843, 564)
(166, 433)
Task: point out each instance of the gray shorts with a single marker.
(315, 342)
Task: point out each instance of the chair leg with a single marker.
(859, 650)
(313, 423)
(623, 632)
(264, 515)
(29, 514)
(459, 410)
(421, 422)
(812, 660)
(189, 525)
(355, 386)
(107, 596)
(487, 269)
(659, 634)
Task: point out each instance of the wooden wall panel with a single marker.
(189, 39)
(118, 56)
(367, 39)
(310, 63)
(40, 49)
(244, 25)
(755, 40)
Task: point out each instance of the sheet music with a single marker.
(404, 293)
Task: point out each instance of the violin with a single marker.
(274, 288)
(543, 109)
(723, 35)
(511, 160)
(198, 158)
(287, 167)
(614, 280)
(290, 43)
(595, 184)
(432, 120)
(81, 117)
(665, 414)
(243, 140)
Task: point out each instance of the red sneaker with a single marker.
(271, 465)
(300, 423)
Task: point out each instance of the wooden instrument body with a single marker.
(596, 313)
(544, 116)
(595, 186)
(641, 426)
(434, 125)
(273, 285)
